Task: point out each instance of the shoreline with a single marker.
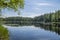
(4, 35)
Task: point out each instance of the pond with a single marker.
(32, 33)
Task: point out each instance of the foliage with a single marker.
(3, 33)
(13, 4)
(53, 17)
(49, 17)
(10, 4)
(18, 20)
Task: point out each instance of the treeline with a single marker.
(53, 17)
(18, 20)
(47, 18)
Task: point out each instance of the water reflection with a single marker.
(51, 28)
(35, 32)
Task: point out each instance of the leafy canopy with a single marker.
(13, 4)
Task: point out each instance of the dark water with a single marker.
(32, 33)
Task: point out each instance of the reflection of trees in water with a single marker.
(53, 28)
(16, 25)
(49, 28)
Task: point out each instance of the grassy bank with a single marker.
(3, 33)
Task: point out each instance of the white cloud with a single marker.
(36, 8)
(43, 4)
(30, 14)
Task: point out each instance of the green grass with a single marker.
(3, 33)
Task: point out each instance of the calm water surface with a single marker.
(31, 33)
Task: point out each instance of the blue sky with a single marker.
(35, 8)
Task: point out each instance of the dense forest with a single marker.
(18, 20)
(47, 18)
